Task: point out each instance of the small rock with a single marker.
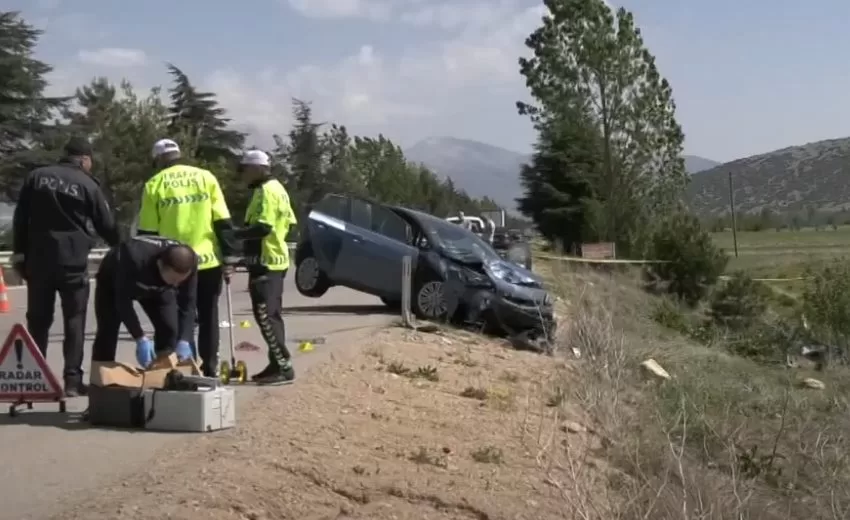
(572, 427)
(813, 383)
(653, 368)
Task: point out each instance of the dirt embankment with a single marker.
(408, 426)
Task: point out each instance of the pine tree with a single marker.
(199, 122)
(25, 113)
(558, 183)
(589, 61)
(305, 155)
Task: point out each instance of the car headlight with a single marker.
(509, 275)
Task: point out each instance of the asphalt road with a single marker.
(50, 459)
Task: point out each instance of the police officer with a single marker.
(146, 269)
(267, 222)
(60, 211)
(185, 203)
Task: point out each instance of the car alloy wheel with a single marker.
(430, 299)
(308, 273)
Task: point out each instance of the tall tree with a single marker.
(305, 155)
(199, 122)
(558, 182)
(25, 112)
(121, 125)
(338, 173)
(591, 65)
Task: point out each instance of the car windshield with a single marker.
(456, 241)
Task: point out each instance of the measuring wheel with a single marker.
(224, 372)
(241, 372)
(237, 374)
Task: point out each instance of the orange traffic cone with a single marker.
(4, 294)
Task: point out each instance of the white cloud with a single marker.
(424, 87)
(446, 15)
(371, 9)
(113, 57)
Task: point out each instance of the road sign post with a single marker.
(25, 377)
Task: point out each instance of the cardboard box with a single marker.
(115, 373)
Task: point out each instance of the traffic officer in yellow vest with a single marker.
(185, 203)
(267, 221)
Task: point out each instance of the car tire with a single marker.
(429, 300)
(310, 280)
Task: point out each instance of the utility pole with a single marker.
(732, 211)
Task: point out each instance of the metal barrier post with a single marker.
(406, 282)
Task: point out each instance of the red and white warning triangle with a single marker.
(24, 373)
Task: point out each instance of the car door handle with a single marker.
(356, 240)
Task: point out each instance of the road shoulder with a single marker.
(401, 425)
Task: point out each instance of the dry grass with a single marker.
(725, 438)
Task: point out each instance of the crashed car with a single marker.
(360, 244)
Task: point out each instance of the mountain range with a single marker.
(485, 170)
(792, 179)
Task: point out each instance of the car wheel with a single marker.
(429, 300)
(309, 278)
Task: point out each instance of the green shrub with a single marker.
(669, 315)
(739, 303)
(826, 302)
(693, 262)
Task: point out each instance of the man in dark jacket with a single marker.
(60, 212)
(146, 269)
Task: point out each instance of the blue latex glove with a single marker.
(144, 352)
(183, 351)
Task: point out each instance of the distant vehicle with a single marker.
(477, 226)
(360, 244)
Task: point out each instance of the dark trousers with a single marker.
(266, 290)
(161, 309)
(72, 284)
(203, 288)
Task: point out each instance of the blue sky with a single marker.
(748, 77)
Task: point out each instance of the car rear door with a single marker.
(375, 243)
(326, 227)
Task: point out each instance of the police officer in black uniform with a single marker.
(145, 269)
(60, 212)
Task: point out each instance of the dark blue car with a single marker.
(360, 244)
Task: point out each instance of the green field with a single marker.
(784, 254)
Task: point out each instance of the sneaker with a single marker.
(270, 370)
(281, 376)
(75, 388)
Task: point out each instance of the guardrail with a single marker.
(95, 255)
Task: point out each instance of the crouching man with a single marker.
(146, 269)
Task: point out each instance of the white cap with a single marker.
(255, 158)
(164, 146)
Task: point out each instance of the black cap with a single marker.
(78, 146)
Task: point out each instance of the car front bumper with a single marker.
(505, 315)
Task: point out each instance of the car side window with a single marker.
(361, 213)
(387, 223)
(333, 206)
